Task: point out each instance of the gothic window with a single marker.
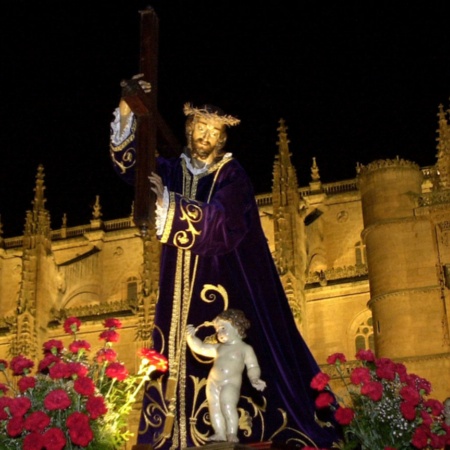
(364, 336)
(360, 253)
(132, 288)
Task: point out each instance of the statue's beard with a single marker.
(201, 151)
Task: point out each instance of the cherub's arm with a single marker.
(253, 369)
(197, 345)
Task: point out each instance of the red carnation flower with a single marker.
(324, 399)
(420, 437)
(4, 403)
(408, 410)
(3, 365)
(54, 439)
(373, 390)
(336, 357)
(21, 365)
(365, 355)
(154, 358)
(84, 386)
(47, 361)
(79, 430)
(14, 427)
(419, 383)
(385, 369)
(77, 346)
(116, 370)
(54, 346)
(96, 407)
(435, 406)
(19, 406)
(106, 354)
(109, 336)
(112, 323)
(26, 383)
(37, 421)
(59, 370)
(57, 399)
(72, 325)
(33, 441)
(344, 415)
(360, 375)
(76, 368)
(410, 395)
(320, 381)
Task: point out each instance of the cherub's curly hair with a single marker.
(237, 318)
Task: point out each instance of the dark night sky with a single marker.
(355, 81)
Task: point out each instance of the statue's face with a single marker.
(206, 136)
(225, 331)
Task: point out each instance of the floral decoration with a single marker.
(385, 407)
(71, 402)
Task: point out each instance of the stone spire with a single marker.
(36, 247)
(288, 222)
(443, 149)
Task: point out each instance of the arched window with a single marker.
(364, 336)
(360, 253)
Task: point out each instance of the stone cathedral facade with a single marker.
(365, 264)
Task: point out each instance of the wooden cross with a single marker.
(149, 121)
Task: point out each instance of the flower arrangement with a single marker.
(71, 403)
(386, 408)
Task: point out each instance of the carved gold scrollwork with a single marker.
(210, 291)
(191, 213)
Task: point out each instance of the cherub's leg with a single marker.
(215, 412)
(229, 397)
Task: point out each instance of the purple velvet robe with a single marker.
(215, 256)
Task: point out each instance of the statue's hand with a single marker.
(190, 330)
(145, 85)
(258, 384)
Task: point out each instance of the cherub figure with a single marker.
(231, 356)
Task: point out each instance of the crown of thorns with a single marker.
(210, 112)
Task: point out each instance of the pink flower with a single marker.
(336, 358)
(112, 323)
(373, 390)
(72, 325)
(320, 381)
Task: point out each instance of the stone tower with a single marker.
(408, 300)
